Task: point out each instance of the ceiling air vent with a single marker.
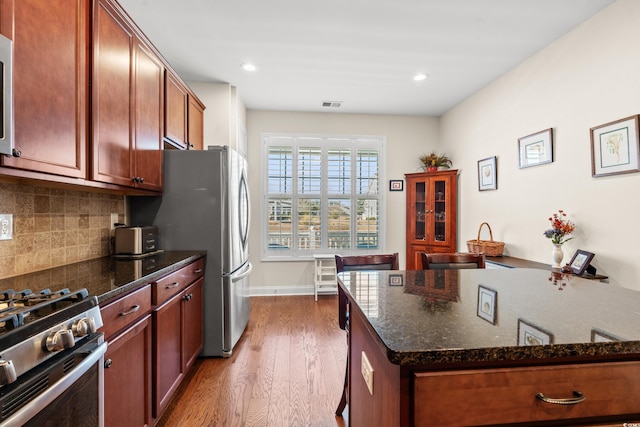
(331, 103)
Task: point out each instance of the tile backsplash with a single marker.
(53, 227)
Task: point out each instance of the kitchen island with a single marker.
(489, 347)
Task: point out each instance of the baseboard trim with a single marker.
(280, 290)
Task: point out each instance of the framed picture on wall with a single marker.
(615, 147)
(487, 174)
(396, 185)
(535, 149)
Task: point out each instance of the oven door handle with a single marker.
(44, 399)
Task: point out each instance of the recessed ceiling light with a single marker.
(249, 67)
(420, 77)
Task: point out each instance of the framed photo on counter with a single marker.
(580, 261)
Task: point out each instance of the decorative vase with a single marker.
(557, 255)
(432, 169)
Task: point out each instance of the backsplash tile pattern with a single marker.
(53, 227)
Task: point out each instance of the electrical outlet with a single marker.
(6, 226)
(114, 220)
(367, 372)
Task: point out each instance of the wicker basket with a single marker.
(487, 247)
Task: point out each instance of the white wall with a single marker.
(224, 116)
(407, 138)
(587, 78)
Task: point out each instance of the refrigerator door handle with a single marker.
(235, 278)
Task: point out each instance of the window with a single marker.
(321, 194)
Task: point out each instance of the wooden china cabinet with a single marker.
(431, 214)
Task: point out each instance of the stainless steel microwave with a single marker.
(6, 92)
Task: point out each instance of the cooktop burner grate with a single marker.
(24, 307)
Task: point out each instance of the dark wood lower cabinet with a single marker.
(193, 325)
(155, 334)
(167, 352)
(127, 377)
(177, 342)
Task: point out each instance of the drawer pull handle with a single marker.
(579, 397)
(198, 271)
(133, 310)
(173, 285)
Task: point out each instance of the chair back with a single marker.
(452, 261)
(367, 262)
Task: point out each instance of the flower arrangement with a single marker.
(434, 160)
(561, 227)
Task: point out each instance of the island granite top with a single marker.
(488, 315)
(105, 278)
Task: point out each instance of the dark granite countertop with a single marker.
(432, 317)
(105, 277)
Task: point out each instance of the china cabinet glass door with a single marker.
(420, 210)
(439, 223)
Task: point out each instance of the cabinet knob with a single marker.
(107, 363)
(16, 153)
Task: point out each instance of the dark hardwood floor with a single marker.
(286, 370)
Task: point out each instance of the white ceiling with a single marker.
(361, 52)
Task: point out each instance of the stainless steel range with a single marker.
(51, 358)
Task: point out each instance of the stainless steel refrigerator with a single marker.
(205, 206)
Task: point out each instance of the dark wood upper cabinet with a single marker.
(94, 100)
(196, 124)
(50, 84)
(175, 111)
(113, 43)
(127, 104)
(149, 109)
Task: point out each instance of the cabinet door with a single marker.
(175, 111)
(196, 124)
(439, 207)
(149, 103)
(192, 327)
(167, 352)
(127, 377)
(112, 111)
(50, 84)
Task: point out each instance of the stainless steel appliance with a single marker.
(6, 92)
(136, 240)
(205, 206)
(51, 359)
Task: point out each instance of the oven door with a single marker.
(70, 387)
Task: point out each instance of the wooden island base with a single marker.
(465, 387)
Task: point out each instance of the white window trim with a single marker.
(294, 255)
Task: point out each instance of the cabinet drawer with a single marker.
(507, 396)
(125, 311)
(171, 284)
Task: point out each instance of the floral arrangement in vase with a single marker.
(561, 227)
(431, 162)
